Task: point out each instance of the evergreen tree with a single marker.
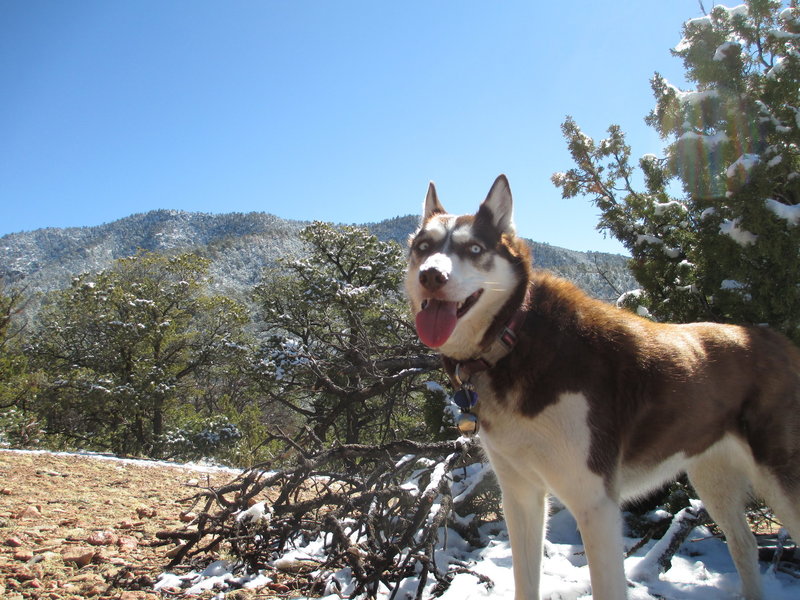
(713, 231)
(17, 425)
(122, 350)
(11, 359)
(341, 355)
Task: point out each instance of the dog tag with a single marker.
(465, 398)
(468, 424)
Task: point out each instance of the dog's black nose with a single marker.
(432, 279)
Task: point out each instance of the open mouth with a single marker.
(461, 307)
(437, 318)
(464, 306)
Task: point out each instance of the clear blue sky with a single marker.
(334, 110)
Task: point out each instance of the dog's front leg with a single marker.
(524, 509)
(525, 515)
(600, 524)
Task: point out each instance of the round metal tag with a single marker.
(467, 424)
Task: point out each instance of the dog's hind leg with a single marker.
(782, 498)
(720, 477)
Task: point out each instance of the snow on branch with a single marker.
(787, 212)
(659, 558)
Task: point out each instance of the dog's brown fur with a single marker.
(678, 388)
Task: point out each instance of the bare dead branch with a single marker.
(378, 510)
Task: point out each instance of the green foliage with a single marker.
(17, 426)
(713, 229)
(439, 422)
(200, 438)
(122, 347)
(341, 354)
(141, 359)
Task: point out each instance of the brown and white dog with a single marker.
(597, 405)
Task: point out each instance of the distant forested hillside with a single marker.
(239, 246)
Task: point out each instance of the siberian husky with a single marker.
(597, 405)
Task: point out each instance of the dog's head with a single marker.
(466, 273)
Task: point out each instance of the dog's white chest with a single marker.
(551, 448)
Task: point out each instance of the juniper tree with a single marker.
(340, 353)
(713, 230)
(122, 350)
(17, 384)
(12, 362)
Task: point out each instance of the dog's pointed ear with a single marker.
(432, 206)
(500, 206)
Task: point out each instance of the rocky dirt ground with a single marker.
(84, 527)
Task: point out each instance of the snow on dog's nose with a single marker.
(435, 271)
(437, 319)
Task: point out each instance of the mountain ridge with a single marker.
(239, 245)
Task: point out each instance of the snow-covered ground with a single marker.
(702, 570)
(200, 467)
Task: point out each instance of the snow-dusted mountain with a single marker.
(239, 246)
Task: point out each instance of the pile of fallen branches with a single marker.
(354, 519)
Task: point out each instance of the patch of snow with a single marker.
(788, 212)
(627, 296)
(663, 207)
(780, 34)
(648, 568)
(732, 229)
(708, 140)
(439, 472)
(699, 22)
(434, 386)
(779, 66)
(439, 261)
(723, 50)
(775, 161)
(168, 580)
(694, 97)
(734, 11)
(471, 482)
(256, 514)
(732, 284)
(200, 467)
(216, 576)
(710, 211)
(644, 238)
(742, 164)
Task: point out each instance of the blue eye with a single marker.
(476, 249)
(423, 246)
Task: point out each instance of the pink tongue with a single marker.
(436, 322)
